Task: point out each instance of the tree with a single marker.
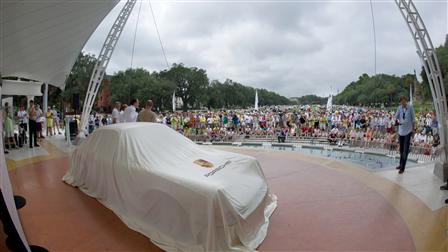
(442, 56)
(374, 90)
(309, 99)
(191, 83)
(214, 95)
(143, 85)
(79, 77)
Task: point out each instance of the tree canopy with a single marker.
(386, 89)
(379, 89)
(78, 80)
(231, 94)
(143, 85)
(195, 89)
(442, 56)
(309, 99)
(191, 84)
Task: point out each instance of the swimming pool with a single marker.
(370, 161)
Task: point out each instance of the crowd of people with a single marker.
(123, 113)
(39, 124)
(341, 125)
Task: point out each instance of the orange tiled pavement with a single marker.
(319, 209)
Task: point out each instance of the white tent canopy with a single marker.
(40, 40)
(20, 87)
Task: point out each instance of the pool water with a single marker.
(370, 161)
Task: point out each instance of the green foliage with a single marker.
(193, 86)
(309, 99)
(191, 83)
(143, 85)
(387, 89)
(442, 56)
(78, 80)
(231, 94)
(270, 98)
(381, 89)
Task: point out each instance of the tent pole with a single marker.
(430, 63)
(45, 100)
(101, 64)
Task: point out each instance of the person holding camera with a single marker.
(405, 119)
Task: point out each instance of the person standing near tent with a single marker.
(55, 116)
(8, 127)
(147, 115)
(40, 120)
(130, 113)
(116, 113)
(33, 124)
(49, 122)
(405, 117)
(122, 109)
(23, 126)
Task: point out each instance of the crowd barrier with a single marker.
(420, 153)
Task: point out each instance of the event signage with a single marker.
(217, 169)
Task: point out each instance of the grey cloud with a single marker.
(292, 48)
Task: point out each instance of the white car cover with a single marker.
(146, 174)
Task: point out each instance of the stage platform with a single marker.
(323, 204)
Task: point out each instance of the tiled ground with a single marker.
(421, 182)
(322, 205)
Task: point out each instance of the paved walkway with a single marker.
(323, 204)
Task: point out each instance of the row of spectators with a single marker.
(344, 125)
(15, 124)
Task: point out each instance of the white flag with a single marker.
(256, 100)
(330, 103)
(174, 101)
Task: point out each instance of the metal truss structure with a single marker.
(430, 63)
(102, 62)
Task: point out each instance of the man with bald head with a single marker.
(147, 115)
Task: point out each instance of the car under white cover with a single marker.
(183, 196)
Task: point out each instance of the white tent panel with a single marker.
(40, 40)
(27, 88)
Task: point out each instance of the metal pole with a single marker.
(430, 63)
(45, 101)
(102, 62)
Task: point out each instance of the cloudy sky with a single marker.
(291, 47)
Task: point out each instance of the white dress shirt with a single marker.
(116, 115)
(130, 114)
